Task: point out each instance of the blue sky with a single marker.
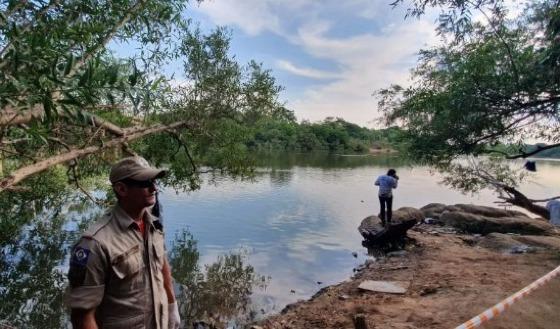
(329, 55)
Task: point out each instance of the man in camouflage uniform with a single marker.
(119, 275)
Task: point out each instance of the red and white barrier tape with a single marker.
(506, 303)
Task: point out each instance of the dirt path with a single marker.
(450, 281)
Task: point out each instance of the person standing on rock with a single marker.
(386, 185)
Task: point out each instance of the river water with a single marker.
(294, 224)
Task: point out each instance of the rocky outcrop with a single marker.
(519, 243)
(402, 220)
(485, 220)
(434, 210)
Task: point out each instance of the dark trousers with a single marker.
(386, 206)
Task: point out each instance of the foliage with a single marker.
(220, 293)
(67, 92)
(494, 83)
(335, 135)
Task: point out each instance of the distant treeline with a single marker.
(332, 134)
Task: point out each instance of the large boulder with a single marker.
(402, 220)
(433, 210)
(477, 223)
(487, 211)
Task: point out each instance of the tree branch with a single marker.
(25, 29)
(537, 150)
(103, 42)
(130, 134)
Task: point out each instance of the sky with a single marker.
(330, 56)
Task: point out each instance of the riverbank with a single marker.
(452, 278)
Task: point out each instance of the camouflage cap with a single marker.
(136, 168)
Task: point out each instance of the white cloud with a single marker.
(304, 71)
(368, 62)
(252, 16)
(364, 62)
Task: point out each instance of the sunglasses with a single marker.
(139, 183)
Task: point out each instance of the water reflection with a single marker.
(327, 160)
(217, 296)
(34, 256)
(34, 248)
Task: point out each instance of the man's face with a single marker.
(139, 194)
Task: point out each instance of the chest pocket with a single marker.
(127, 265)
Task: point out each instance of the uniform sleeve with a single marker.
(86, 275)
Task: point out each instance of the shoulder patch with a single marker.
(80, 256)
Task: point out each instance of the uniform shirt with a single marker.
(119, 273)
(386, 184)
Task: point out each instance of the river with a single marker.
(293, 226)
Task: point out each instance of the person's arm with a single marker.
(86, 278)
(377, 181)
(173, 308)
(83, 319)
(168, 281)
(395, 182)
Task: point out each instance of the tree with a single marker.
(66, 99)
(494, 83)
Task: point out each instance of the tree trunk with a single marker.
(129, 135)
(520, 200)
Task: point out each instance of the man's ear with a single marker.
(120, 189)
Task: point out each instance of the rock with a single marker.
(488, 211)
(355, 254)
(403, 219)
(519, 244)
(391, 287)
(408, 213)
(428, 290)
(433, 210)
(474, 223)
(343, 297)
(431, 221)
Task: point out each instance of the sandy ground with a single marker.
(450, 282)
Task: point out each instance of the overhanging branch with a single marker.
(130, 134)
